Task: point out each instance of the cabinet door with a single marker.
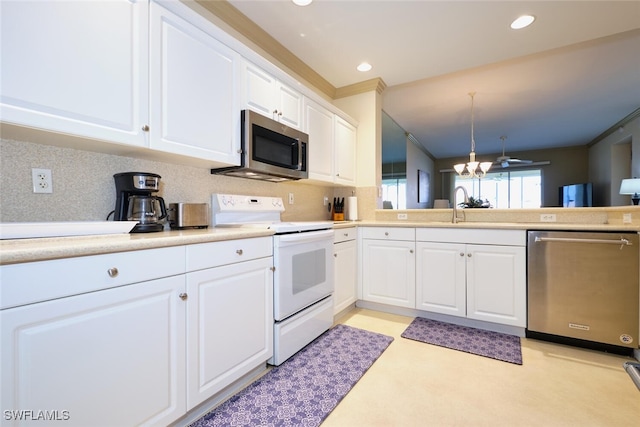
(496, 284)
(319, 126)
(194, 89)
(108, 358)
(345, 148)
(289, 105)
(345, 256)
(259, 90)
(388, 272)
(229, 325)
(77, 67)
(441, 278)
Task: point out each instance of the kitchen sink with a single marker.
(30, 230)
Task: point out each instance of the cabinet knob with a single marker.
(272, 268)
(183, 296)
(469, 255)
(280, 113)
(346, 234)
(113, 272)
(410, 251)
(386, 233)
(239, 252)
(335, 255)
(145, 128)
(461, 253)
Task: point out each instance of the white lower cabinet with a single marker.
(388, 266)
(484, 280)
(345, 253)
(229, 325)
(133, 338)
(109, 358)
(496, 284)
(441, 278)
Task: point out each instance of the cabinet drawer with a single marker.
(389, 233)
(45, 280)
(214, 254)
(473, 235)
(344, 234)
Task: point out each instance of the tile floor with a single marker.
(417, 384)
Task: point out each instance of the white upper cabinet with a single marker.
(265, 94)
(193, 88)
(345, 140)
(332, 145)
(77, 67)
(319, 126)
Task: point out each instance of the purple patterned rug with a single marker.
(305, 388)
(476, 341)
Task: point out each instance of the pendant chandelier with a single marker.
(472, 167)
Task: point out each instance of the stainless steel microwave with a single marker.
(271, 151)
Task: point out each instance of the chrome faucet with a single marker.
(454, 219)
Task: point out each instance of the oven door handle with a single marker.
(297, 238)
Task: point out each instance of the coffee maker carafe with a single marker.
(135, 201)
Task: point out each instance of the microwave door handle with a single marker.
(299, 154)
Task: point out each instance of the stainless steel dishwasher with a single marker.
(584, 286)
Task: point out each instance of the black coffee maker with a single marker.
(135, 201)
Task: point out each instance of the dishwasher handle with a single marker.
(622, 241)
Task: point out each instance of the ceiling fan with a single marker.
(506, 161)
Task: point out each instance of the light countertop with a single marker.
(29, 250)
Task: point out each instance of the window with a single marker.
(394, 192)
(505, 189)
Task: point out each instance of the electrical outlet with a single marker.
(325, 202)
(626, 218)
(42, 180)
(290, 198)
(547, 217)
(402, 216)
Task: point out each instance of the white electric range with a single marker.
(303, 268)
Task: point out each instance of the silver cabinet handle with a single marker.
(461, 253)
(469, 255)
(272, 269)
(386, 233)
(410, 251)
(183, 296)
(239, 252)
(113, 272)
(145, 128)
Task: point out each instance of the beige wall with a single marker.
(418, 160)
(84, 190)
(615, 157)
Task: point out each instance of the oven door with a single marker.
(304, 270)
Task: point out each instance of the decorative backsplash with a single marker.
(84, 189)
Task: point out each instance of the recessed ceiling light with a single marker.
(365, 66)
(522, 21)
(302, 2)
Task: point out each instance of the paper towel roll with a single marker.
(352, 208)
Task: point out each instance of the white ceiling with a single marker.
(560, 82)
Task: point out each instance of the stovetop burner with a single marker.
(257, 212)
